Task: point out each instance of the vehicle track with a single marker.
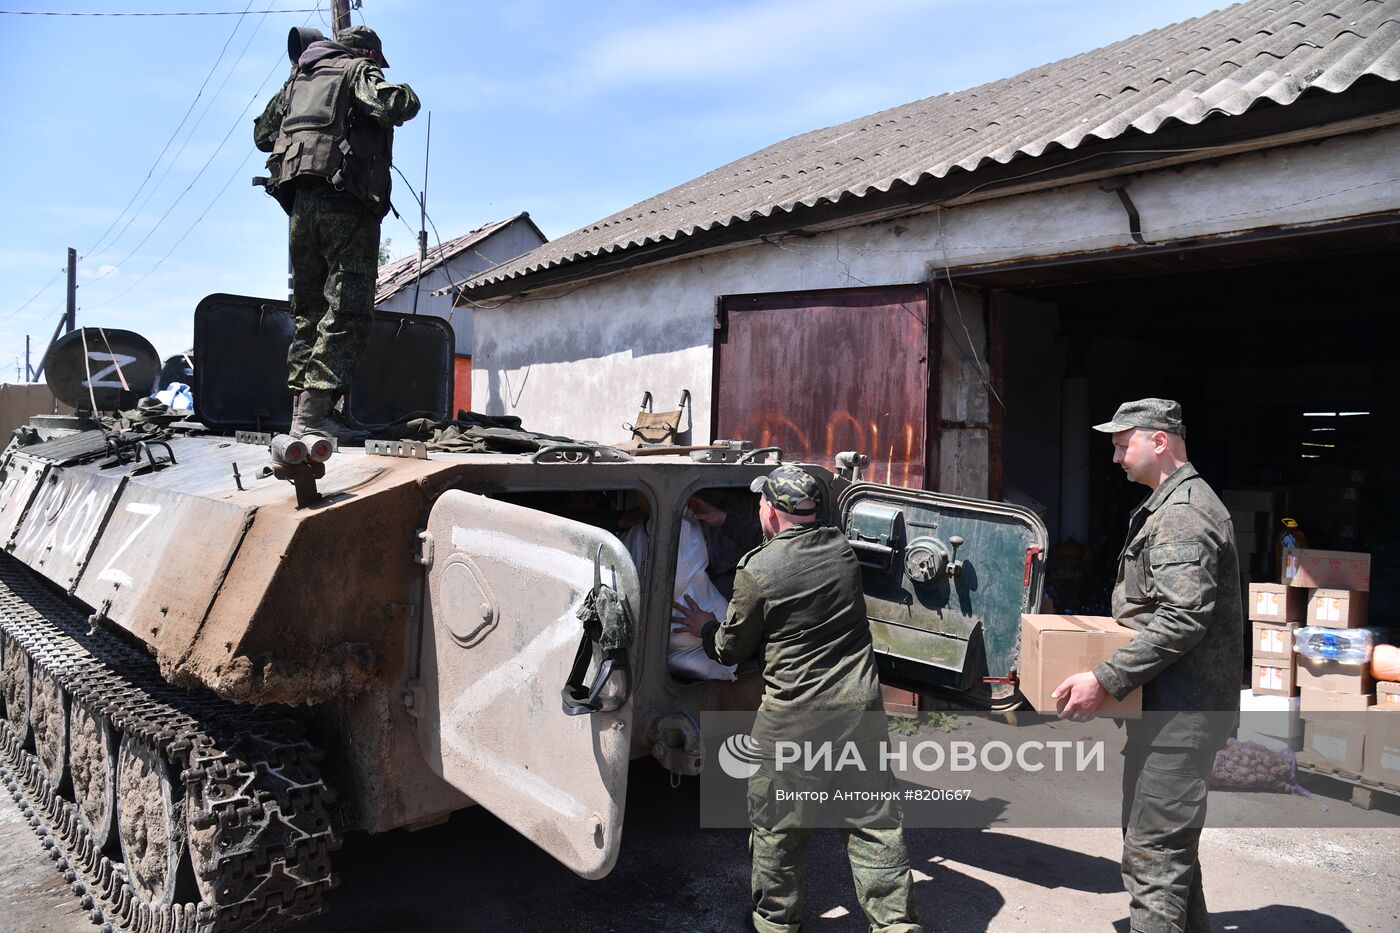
(248, 805)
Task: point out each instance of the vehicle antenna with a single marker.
(423, 215)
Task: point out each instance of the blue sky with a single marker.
(571, 111)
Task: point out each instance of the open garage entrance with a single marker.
(1283, 356)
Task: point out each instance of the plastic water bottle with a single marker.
(1344, 645)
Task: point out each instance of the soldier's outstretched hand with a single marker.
(689, 617)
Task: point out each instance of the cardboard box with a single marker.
(1273, 641)
(1273, 677)
(1338, 743)
(1335, 676)
(1382, 752)
(1272, 721)
(1054, 647)
(1387, 694)
(1337, 608)
(1276, 603)
(1313, 702)
(1332, 570)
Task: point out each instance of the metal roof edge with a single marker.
(1369, 104)
(448, 251)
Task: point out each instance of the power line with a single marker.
(166, 13)
(207, 162)
(237, 171)
(35, 296)
(184, 238)
(94, 250)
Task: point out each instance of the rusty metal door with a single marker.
(500, 633)
(816, 373)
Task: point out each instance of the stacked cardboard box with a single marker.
(1275, 611)
(1339, 570)
(1337, 585)
(1383, 735)
(1336, 697)
(1272, 721)
(1381, 755)
(1334, 744)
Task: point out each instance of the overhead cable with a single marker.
(97, 248)
(184, 237)
(47, 285)
(203, 168)
(147, 13)
(237, 122)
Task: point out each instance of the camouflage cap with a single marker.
(1155, 414)
(363, 39)
(787, 487)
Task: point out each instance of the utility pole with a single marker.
(70, 321)
(28, 370)
(340, 14)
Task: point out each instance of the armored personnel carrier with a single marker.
(218, 655)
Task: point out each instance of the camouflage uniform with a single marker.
(798, 597)
(1179, 586)
(333, 235)
(335, 260)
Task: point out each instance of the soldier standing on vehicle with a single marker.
(1179, 586)
(799, 597)
(330, 132)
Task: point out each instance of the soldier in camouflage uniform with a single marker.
(330, 134)
(798, 597)
(1179, 586)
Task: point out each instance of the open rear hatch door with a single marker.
(942, 615)
(240, 374)
(500, 637)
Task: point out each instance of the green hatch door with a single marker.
(946, 581)
(500, 635)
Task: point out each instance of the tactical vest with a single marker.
(322, 134)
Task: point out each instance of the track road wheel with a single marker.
(16, 688)
(150, 824)
(48, 717)
(92, 761)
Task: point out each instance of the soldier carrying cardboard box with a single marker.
(1178, 586)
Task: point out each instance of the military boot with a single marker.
(316, 414)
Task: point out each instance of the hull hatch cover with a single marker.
(946, 581)
(500, 635)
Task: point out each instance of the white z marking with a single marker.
(115, 360)
(148, 509)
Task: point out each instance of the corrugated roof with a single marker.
(400, 273)
(1221, 63)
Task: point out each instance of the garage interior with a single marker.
(1280, 352)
